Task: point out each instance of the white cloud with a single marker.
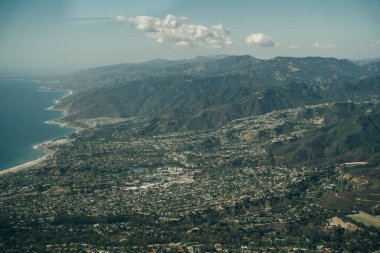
(179, 31)
(181, 44)
(119, 19)
(285, 44)
(260, 39)
(321, 45)
(376, 43)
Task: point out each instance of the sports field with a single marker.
(366, 219)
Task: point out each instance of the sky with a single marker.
(62, 36)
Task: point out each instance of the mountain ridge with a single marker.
(189, 92)
(303, 68)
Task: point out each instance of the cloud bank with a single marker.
(323, 46)
(293, 46)
(119, 19)
(179, 31)
(260, 39)
(376, 43)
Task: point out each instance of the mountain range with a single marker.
(206, 92)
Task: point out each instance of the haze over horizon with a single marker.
(45, 37)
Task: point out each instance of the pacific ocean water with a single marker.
(23, 113)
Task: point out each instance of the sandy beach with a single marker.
(24, 166)
(41, 146)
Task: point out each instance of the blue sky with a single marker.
(67, 35)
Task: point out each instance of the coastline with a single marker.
(58, 121)
(43, 146)
(30, 163)
(24, 166)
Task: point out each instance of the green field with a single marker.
(366, 219)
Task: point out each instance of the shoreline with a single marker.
(43, 146)
(24, 166)
(32, 163)
(58, 121)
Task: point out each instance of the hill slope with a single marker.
(204, 103)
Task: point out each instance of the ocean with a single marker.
(23, 113)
